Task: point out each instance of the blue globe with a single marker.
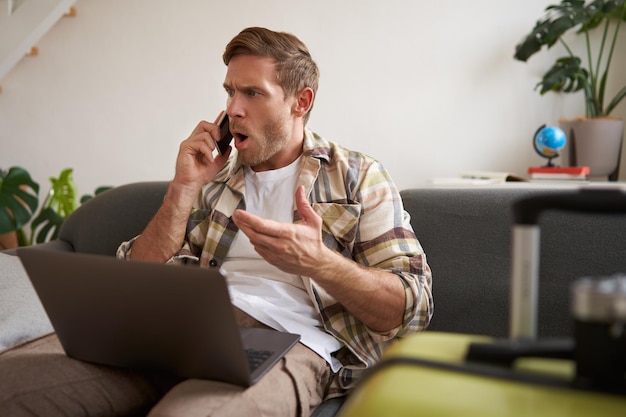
(549, 140)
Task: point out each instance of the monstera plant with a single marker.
(569, 73)
(19, 201)
(596, 139)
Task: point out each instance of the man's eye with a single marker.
(252, 93)
(230, 92)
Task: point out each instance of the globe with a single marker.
(548, 141)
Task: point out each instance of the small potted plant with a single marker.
(570, 74)
(19, 201)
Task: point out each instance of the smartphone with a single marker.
(225, 136)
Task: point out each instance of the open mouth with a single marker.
(237, 133)
(239, 137)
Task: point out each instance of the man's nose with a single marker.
(234, 106)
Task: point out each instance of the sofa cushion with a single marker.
(22, 317)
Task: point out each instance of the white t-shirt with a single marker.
(273, 297)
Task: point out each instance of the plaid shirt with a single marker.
(363, 219)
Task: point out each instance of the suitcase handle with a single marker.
(526, 242)
(505, 352)
(590, 200)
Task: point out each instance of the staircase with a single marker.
(23, 23)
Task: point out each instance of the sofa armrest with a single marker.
(121, 213)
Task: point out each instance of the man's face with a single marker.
(261, 118)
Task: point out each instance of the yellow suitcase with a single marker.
(443, 374)
(427, 375)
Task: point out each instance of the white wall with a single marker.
(429, 88)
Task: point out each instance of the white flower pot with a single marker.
(596, 143)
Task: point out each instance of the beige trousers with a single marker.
(38, 379)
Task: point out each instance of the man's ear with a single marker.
(304, 101)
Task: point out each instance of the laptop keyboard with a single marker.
(257, 357)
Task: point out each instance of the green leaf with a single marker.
(102, 189)
(600, 10)
(62, 197)
(18, 199)
(19, 212)
(99, 190)
(570, 76)
(548, 30)
(46, 226)
(566, 75)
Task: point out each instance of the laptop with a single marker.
(149, 316)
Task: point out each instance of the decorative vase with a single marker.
(8, 241)
(596, 143)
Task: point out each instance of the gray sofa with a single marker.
(466, 234)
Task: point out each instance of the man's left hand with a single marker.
(293, 248)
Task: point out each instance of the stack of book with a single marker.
(559, 173)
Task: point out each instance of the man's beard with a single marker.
(272, 140)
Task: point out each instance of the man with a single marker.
(312, 238)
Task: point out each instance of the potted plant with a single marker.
(19, 201)
(571, 74)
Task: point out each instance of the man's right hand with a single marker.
(197, 163)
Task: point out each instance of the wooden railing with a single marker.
(23, 23)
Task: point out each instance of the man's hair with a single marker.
(295, 69)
